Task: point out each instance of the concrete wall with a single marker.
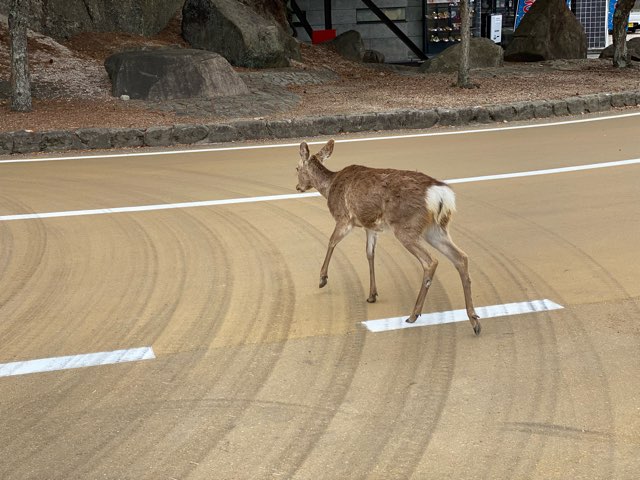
(376, 36)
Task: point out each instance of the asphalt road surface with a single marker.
(225, 361)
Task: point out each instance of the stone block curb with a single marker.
(94, 137)
(25, 141)
(6, 143)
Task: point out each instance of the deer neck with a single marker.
(321, 177)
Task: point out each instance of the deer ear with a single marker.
(326, 151)
(304, 151)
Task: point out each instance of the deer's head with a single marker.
(307, 162)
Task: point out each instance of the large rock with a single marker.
(349, 44)
(65, 18)
(274, 9)
(238, 33)
(168, 73)
(373, 56)
(633, 47)
(483, 53)
(548, 31)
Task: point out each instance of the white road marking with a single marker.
(547, 171)
(346, 140)
(146, 208)
(269, 198)
(492, 311)
(76, 361)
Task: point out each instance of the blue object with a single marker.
(525, 5)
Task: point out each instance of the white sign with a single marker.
(496, 28)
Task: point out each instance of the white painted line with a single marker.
(492, 311)
(348, 140)
(76, 361)
(269, 198)
(146, 208)
(547, 171)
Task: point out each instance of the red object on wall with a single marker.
(321, 36)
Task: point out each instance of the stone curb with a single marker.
(161, 136)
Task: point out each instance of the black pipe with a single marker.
(327, 15)
(392, 26)
(302, 17)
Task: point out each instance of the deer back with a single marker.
(379, 198)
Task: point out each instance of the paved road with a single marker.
(258, 374)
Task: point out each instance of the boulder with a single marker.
(373, 56)
(274, 9)
(238, 33)
(169, 73)
(633, 47)
(65, 18)
(483, 53)
(548, 31)
(348, 44)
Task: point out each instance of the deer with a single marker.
(414, 206)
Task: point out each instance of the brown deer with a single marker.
(416, 207)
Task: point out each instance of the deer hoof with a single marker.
(372, 298)
(323, 281)
(477, 328)
(412, 318)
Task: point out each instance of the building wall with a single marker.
(376, 36)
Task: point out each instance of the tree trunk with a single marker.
(620, 20)
(20, 81)
(465, 40)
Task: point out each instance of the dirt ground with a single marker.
(71, 88)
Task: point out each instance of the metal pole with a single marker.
(328, 24)
(392, 26)
(302, 18)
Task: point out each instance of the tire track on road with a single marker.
(592, 365)
(542, 372)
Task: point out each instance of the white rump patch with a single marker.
(441, 201)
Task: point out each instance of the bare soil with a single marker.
(71, 88)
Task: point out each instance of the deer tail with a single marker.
(441, 202)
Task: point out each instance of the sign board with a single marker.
(495, 33)
(612, 8)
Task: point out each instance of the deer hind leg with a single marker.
(341, 231)
(418, 247)
(372, 237)
(440, 239)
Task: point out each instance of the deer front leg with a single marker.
(371, 247)
(341, 231)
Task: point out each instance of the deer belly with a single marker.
(376, 224)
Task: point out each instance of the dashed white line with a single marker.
(75, 361)
(491, 311)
